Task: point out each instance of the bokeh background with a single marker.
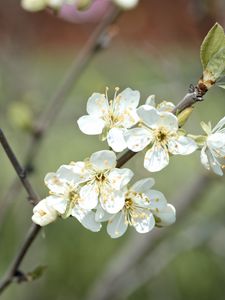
(155, 49)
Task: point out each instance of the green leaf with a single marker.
(215, 66)
(212, 43)
(36, 273)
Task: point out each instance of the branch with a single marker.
(194, 95)
(94, 44)
(32, 196)
(139, 245)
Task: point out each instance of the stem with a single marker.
(94, 44)
(31, 235)
(32, 196)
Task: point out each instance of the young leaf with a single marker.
(212, 43)
(216, 65)
(36, 273)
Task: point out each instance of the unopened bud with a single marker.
(184, 115)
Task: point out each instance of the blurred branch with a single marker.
(139, 245)
(97, 41)
(33, 198)
(93, 45)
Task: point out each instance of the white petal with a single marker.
(118, 178)
(129, 117)
(138, 138)
(86, 218)
(166, 106)
(145, 223)
(117, 226)
(214, 164)
(167, 120)
(91, 125)
(128, 98)
(126, 4)
(88, 196)
(148, 115)
(81, 169)
(43, 213)
(101, 215)
(167, 215)
(112, 202)
(66, 173)
(54, 184)
(58, 203)
(183, 145)
(103, 160)
(219, 125)
(143, 185)
(204, 158)
(156, 159)
(150, 100)
(216, 140)
(115, 139)
(157, 200)
(97, 105)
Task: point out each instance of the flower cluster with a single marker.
(36, 5)
(96, 190)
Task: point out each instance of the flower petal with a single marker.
(156, 158)
(88, 196)
(165, 106)
(143, 185)
(145, 223)
(43, 213)
(219, 125)
(91, 125)
(117, 226)
(167, 216)
(54, 184)
(148, 115)
(97, 105)
(86, 218)
(213, 162)
(115, 139)
(112, 202)
(157, 200)
(150, 100)
(167, 120)
(118, 178)
(58, 203)
(128, 98)
(183, 145)
(103, 160)
(216, 140)
(138, 138)
(101, 215)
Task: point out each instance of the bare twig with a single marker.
(21, 172)
(95, 43)
(13, 269)
(138, 246)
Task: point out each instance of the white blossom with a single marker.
(44, 213)
(214, 147)
(36, 5)
(159, 131)
(126, 4)
(110, 119)
(143, 209)
(102, 182)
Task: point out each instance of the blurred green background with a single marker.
(30, 71)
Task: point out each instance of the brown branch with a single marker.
(94, 44)
(21, 172)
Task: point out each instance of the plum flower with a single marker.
(159, 131)
(143, 209)
(65, 199)
(111, 119)
(102, 182)
(44, 213)
(214, 147)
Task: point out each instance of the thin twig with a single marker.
(95, 43)
(21, 172)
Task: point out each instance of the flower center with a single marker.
(161, 134)
(128, 203)
(100, 177)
